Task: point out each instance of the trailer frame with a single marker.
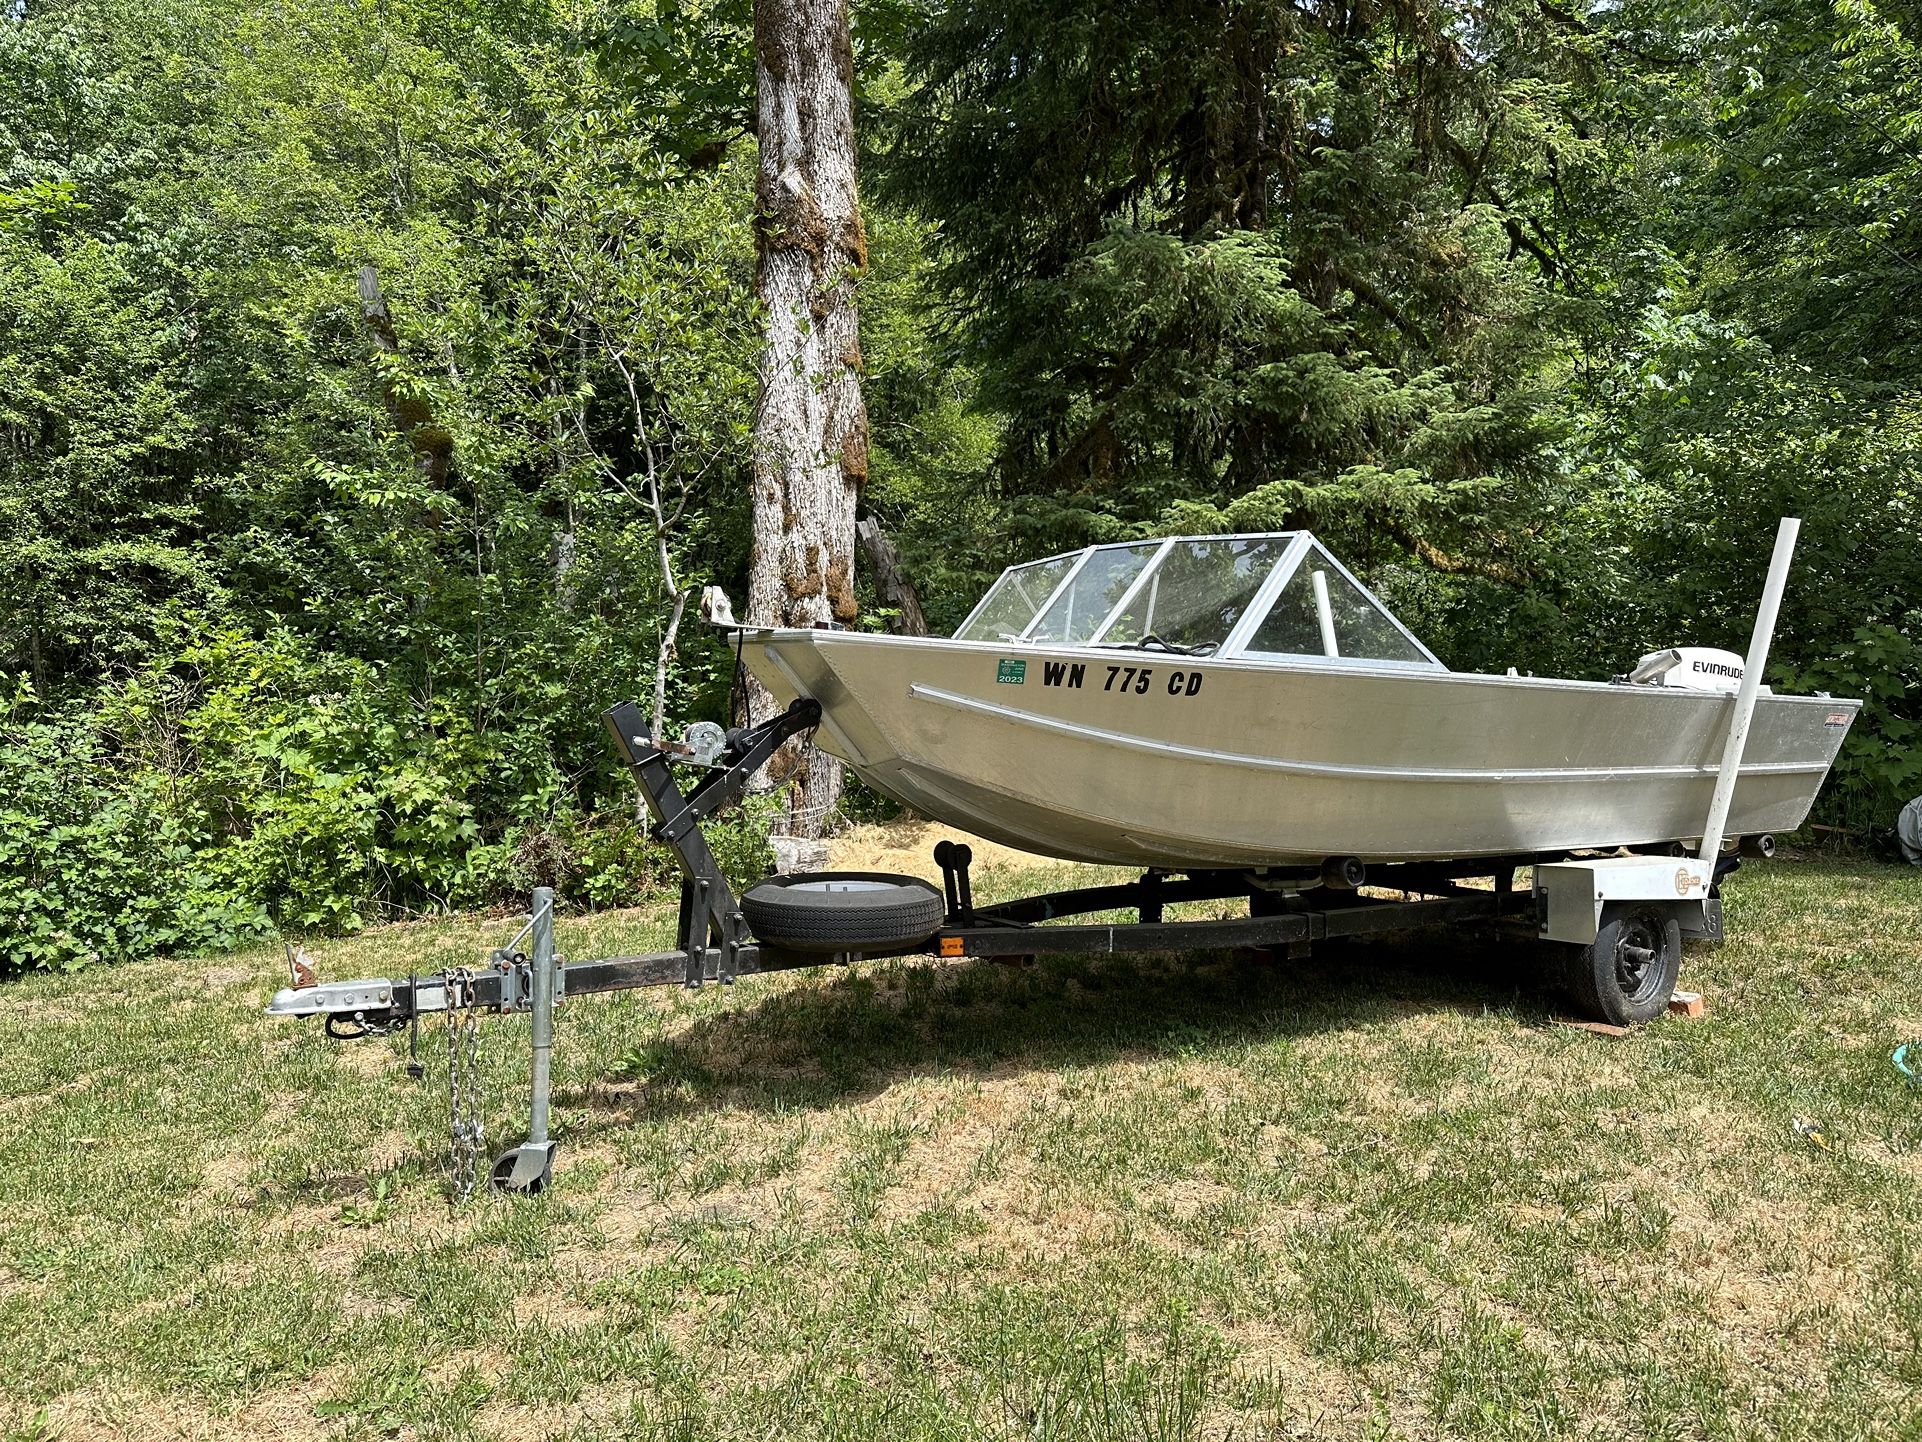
(1290, 909)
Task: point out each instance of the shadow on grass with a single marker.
(878, 1024)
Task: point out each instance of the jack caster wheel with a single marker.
(1626, 975)
(525, 1170)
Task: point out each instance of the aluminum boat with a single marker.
(1215, 701)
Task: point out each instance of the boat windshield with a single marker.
(1278, 596)
(1358, 629)
(1080, 606)
(1197, 594)
(1008, 610)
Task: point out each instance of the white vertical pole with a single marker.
(542, 978)
(1324, 614)
(1758, 655)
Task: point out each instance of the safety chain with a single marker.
(466, 1127)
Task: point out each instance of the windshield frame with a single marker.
(1241, 639)
(1235, 645)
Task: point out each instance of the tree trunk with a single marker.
(811, 427)
(432, 445)
(890, 583)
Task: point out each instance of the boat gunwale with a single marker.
(1305, 666)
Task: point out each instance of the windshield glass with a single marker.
(1021, 592)
(1084, 603)
(1359, 629)
(1195, 595)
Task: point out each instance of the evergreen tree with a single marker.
(1251, 263)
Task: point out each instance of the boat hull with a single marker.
(1143, 758)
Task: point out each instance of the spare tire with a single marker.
(830, 911)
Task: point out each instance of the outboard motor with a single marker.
(1688, 668)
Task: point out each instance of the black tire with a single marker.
(830, 911)
(1627, 974)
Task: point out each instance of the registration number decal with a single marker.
(1118, 680)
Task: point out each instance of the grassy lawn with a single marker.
(1376, 1195)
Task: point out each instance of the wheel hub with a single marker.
(1636, 956)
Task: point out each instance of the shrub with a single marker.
(94, 867)
(1880, 767)
(247, 785)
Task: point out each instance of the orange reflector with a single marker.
(950, 946)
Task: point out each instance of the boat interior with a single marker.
(1253, 597)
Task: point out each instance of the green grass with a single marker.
(1376, 1195)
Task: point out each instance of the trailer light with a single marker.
(951, 946)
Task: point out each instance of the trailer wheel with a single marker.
(1626, 975)
(830, 911)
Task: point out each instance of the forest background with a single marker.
(357, 357)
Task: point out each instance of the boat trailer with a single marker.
(1577, 902)
(1616, 921)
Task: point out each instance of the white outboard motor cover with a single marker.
(1693, 668)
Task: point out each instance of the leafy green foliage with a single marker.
(95, 865)
(260, 785)
(1756, 356)
(342, 580)
(1882, 758)
(371, 381)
